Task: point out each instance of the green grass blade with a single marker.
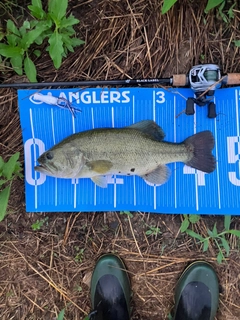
(184, 225)
(235, 232)
(212, 4)
(225, 245)
(227, 222)
(4, 197)
(167, 5)
(194, 235)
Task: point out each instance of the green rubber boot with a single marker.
(110, 290)
(197, 293)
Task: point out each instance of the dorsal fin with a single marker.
(151, 128)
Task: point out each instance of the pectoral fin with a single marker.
(101, 181)
(100, 166)
(159, 176)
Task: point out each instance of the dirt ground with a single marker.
(44, 271)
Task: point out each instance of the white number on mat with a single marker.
(233, 146)
(32, 149)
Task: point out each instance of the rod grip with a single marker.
(233, 78)
(179, 80)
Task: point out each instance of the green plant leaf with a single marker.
(61, 314)
(12, 28)
(194, 218)
(30, 69)
(1, 163)
(66, 22)
(12, 40)
(16, 63)
(148, 232)
(225, 245)
(37, 12)
(37, 3)
(210, 233)
(184, 225)
(2, 35)
(205, 245)
(237, 43)
(76, 42)
(212, 4)
(56, 49)
(10, 51)
(2, 182)
(9, 166)
(26, 24)
(235, 232)
(231, 12)
(17, 169)
(227, 222)
(30, 37)
(194, 235)
(37, 53)
(220, 257)
(214, 230)
(167, 5)
(58, 8)
(4, 197)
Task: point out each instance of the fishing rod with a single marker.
(203, 79)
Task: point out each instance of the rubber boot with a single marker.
(110, 290)
(197, 293)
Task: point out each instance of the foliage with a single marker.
(188, 218)
(211, 4)
(79, 254)
(52, 25)
(153, 231)
(61, 314)
(127, 213)
(8, 172)
(218, 238)
(39, 223)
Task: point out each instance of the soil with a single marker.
(46, 270)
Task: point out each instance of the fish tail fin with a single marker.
(200, 147)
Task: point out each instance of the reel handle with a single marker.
(233, 78)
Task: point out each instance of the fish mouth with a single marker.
(42, 168)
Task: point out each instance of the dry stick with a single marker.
(213, 85)
(68, 230)
(33, 302)
(51, 283)
(130, 224)
(157, 269)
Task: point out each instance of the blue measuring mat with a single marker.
(187, 191)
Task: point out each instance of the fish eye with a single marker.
(49, 155)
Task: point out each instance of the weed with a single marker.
(52, 25)
(211, 4)
(153, 231)
(188, 218)
(78, 288)
(39, 223)
(79, 255)
(218, 238)
(61, 314)
(8, 172)
(127, 213)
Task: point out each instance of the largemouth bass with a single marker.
(135, 150)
